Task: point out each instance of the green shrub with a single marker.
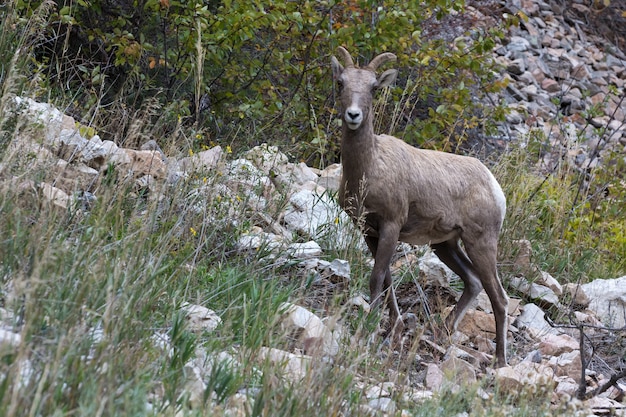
(237, 72)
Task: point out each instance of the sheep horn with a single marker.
(381, 59)
(347, 59)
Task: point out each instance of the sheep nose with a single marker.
(353, 115)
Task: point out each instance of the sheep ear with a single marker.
(387, 78)
(337, 68)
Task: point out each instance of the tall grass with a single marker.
(574, 230)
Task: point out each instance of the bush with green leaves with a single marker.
(227, 69)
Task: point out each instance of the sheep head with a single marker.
(357, 86)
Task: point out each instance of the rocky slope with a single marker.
(565, 84)
(545, 355)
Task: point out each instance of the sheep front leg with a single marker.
(397, 325)
(381, 281)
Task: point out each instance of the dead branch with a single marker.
(582, 387)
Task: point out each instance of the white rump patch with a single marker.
(498, 195)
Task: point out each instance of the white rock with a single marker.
(606, 406)
(384, 404)
(566, 386)
(567, 364)
(94, 153)
(26, 372)
(194, 386)
(519, 44)
(249, 184)
(588, 317)
(383, 389)
(310, 212)
(359, 301)
(339, 268)
(116, 156)
(533, 318)
(461, 371)
(555, 345)
(6, 315)
(431, 267)
(48, 116)
(608, 299)
(535, 291)
(87, 170)
(54, 195)
(576, 294)
(110, 147)
(434, 377)
(68, 144)
(9, 341)
(295, 367)
(202, 161)
(200, 319)
(267, 158)
(312, 332)
(417, 395)
(162, 340)
(244, 172)
(258, 239)
(484, 303)
(550, 282)
(304, 250)
(294, 176)
(513, 379)
(330, 178)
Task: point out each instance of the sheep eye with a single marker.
(340, 85)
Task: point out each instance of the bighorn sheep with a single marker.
(401, 193)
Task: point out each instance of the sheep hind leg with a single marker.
(451, 254)
(484, 259)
